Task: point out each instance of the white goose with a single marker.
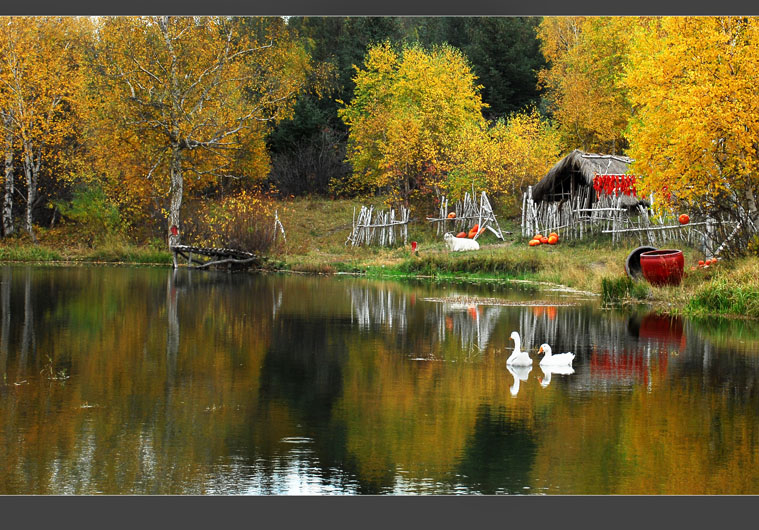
(560, 359)
(517, 357)
(549, 369)
(520, 373)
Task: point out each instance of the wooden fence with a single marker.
(380, 228)
(468, 212)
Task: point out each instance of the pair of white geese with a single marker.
(519, 363)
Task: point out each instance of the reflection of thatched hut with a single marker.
(565, 200)
(572, 177)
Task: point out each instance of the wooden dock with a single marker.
(229, 258)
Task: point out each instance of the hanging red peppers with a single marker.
(615, 185)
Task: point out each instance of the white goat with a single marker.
(460, 244)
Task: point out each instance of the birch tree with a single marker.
(695, 132)
(40, 79)
(191, 97)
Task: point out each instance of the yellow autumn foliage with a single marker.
(505, 158)
(409, 111)
(586, 56)
(695, 132)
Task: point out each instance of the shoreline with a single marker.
(671, 301)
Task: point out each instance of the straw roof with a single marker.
(581, 168)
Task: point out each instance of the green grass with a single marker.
(124, 253)
(616, 291)
(732, 291)
(28, 253)
(493, 263)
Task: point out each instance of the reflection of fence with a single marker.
(377, 307)
(473, 324)
(381, 228)
(615, 351)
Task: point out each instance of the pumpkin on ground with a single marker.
(554, 234)
(534, 243)
(553, 240)
(461, 234)
(544, 240)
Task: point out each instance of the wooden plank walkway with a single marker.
(232, 258)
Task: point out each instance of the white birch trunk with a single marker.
(30, 172)
(175, 195)
(8, 227)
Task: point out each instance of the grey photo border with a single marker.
(373, 511)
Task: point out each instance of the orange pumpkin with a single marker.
(476, 227)
(537, 236)
(553, 240)
(461, 234)
(700, 263)
(471, 234)
(554, 234)
(534, 243)
(684, 219)
(544, 240)
(452, 215)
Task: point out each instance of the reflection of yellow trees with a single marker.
(689, 442)
(129, 418)
(417, 417)
(666, 439)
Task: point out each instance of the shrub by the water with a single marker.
(243, 221)
(617, 290)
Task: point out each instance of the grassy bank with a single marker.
(68, 244)
(316, 231)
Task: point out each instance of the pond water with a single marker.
(149, 381)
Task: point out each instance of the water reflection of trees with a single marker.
(218, 383)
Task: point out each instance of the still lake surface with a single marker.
(125, 380)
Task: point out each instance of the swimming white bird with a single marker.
(517, 357)
(520, 373)
(549, 369)
(560, 359)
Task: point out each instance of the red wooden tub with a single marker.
(662, 267)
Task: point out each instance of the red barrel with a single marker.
(662, 267)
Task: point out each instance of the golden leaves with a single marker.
(693, 83)
(586, 56)
(408, 111)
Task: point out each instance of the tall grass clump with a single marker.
(730, 292)
(123, 252)
(29, 253)
(497, 264)
(615, 291)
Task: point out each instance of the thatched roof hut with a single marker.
(575, 172)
